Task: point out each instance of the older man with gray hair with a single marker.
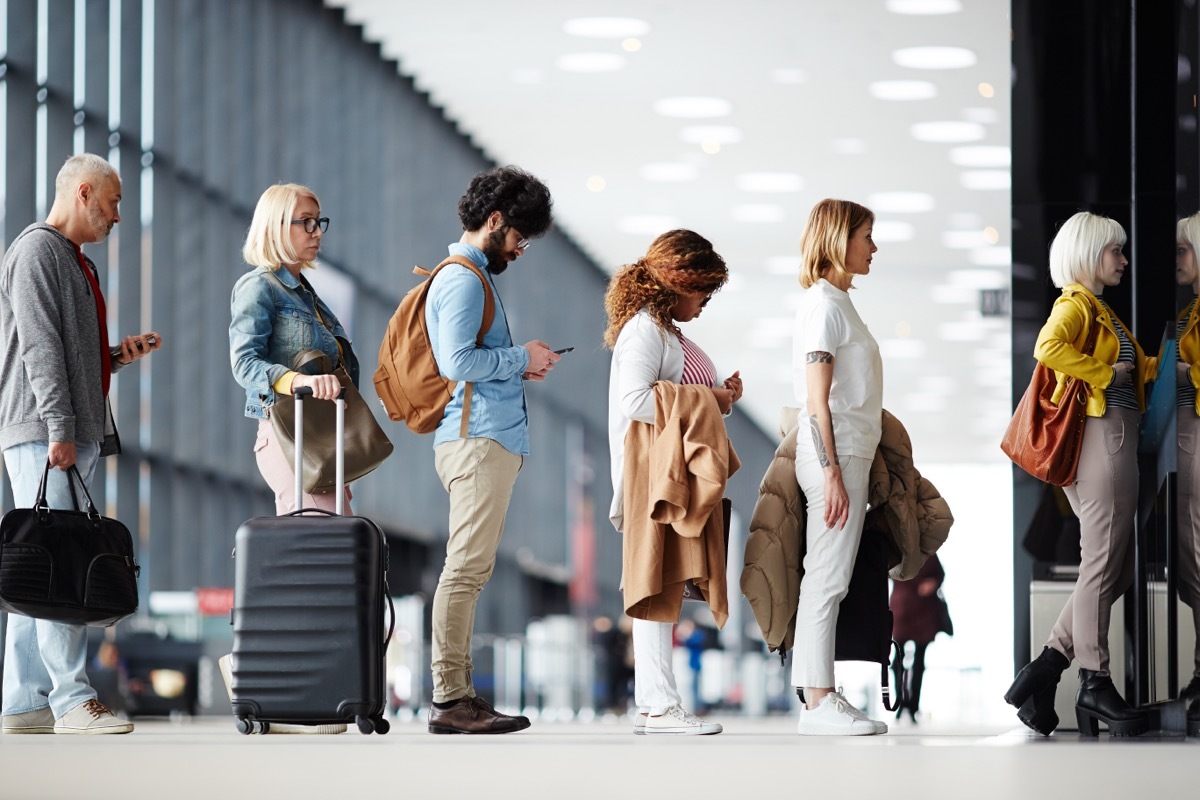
(57, 364)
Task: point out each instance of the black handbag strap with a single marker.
(73, 476)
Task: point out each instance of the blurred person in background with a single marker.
(920, 613)
(1187, 366)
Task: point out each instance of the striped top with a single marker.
(1185, 393)
(697, 366)
(1122, 396)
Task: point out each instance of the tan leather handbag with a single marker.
(367, 446)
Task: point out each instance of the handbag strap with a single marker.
(308, 356)
(43, 507)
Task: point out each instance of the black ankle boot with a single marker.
(1191, 691)
(1099, 701)
(1193, 718)
(1032, 692)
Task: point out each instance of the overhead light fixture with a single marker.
(712, 148)
(669, 171)
(985, 180)
(964, 240)
(902, 90)
(934, 57)
(693, 107)
(719, 134)
(789, 75)
(991, 235)
(849, 146)
(987, 90)
(631, 45)
(758, 212)
(770, 182)
(991, 256)
(647, 224)
(978, 278)
(948, 132)
(596, 183)
(924, 7)
(591, 62)
(528, 77)
(606, 27)
(981, 156)
(888, 230)
(900, 202)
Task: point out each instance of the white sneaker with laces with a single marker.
(835, 716)
(90, 718)
(40, 720)
(679, 722)
(639, 723)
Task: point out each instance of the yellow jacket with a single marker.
(1189, 346)
(1062, 339)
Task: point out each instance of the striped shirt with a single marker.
(1122, 396)
(1185, 393)
(697, 366)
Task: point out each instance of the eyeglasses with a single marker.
(524, 244)
(704, 302)
(312, 223)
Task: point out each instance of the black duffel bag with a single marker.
(67, 565)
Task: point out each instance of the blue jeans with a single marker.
(43, 660)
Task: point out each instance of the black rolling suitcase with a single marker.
(309, 639)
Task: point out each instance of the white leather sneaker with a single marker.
(639, 723)
(92, 717)
(835, 716)
(679, 722)
(40, 720)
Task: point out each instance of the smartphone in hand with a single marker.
(564, 350)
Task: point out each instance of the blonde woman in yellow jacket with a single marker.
(1086, 257)
(1187, 365)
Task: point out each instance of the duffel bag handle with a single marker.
(43, 507)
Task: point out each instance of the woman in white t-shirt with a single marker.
(645, 303)
(838, 379)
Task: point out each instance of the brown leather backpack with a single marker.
(407, 379)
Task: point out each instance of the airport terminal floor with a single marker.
(762, 758)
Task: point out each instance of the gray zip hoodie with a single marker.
(50, 387)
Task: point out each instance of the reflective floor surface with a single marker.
(753, 758)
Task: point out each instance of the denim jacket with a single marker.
(274, 319)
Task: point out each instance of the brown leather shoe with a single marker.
(473, 715)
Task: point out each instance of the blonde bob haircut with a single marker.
(1079, 246)
(268, 241)
(823, 243)
(1187, 231)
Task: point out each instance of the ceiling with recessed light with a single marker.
(733, 119)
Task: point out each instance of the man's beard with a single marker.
(99, 225)
(493, 248)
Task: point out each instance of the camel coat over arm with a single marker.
(675, 476)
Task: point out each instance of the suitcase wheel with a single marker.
(382, 726)
(365, 725)
(247, 726)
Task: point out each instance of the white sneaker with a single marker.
(91, 717)
(834, 716)
(40, 720)
(677, 721)
(639, 723)
(225, 664)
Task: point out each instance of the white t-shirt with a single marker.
(827, 322)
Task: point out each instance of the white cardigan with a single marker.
(644, 353)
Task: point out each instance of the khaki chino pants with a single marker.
(479, 475)
(1104, 497)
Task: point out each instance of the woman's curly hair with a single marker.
(678, 262)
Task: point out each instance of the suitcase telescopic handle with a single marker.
(300, 393)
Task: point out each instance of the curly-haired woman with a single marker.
(645, 303)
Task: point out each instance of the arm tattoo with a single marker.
(819, 444)
(820, 357)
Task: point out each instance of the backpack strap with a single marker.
(489, 314)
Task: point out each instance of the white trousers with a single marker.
(653, 676)
(828, 564)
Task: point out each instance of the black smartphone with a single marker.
(564, 350)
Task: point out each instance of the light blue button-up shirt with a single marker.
(453, 314)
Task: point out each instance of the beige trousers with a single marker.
(1188, 516)
(479, 475)
(1104, 497)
